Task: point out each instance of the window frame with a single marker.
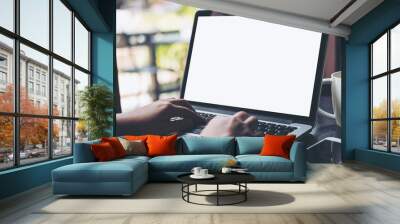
(16, 115)
(388, 74)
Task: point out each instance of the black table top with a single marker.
(220, 178)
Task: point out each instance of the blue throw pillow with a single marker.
(249, 145)
(195, 145)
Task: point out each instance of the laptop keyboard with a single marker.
(274, 129)
(262, 127)
(207, 116)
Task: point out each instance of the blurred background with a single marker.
(152, 44)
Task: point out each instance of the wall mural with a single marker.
(152, 45)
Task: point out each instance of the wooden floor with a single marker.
(377, 188)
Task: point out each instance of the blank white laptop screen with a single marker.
(252, 64)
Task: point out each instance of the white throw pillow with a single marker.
(136, 147)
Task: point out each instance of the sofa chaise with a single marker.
(125, 176)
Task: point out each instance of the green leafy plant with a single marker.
(96, 103)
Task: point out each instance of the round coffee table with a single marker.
(238, 179)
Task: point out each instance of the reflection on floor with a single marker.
(378, 189)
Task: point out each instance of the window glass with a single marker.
(395, 94)
(395, 136)
(34, 81)
(34, 21)
(395, 47)
(379, 135)
(81, 82)
(81, 45)
(39, 62)
(62, 29)
(81, 131)
(6, 142)
(6, 74)
(33, 140)
(7, 14)
(379, 97)
(62, 89)
(62, 138)
(379, 56)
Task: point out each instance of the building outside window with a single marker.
(44, 77)
(55, 96)
(3, 78)
(384, 91)
(3, 81)
(30, 72)
(3, 61)
(56, 128)
(3, 72)
(38, 89)
(37, 74)
(43, 90)
(30, 87)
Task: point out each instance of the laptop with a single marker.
(271, 71)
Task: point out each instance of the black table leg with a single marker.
(217, 194)
(188, 190)
(245, 193)
(220, 193)
(182, 190)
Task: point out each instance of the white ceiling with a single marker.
(308, 14)
(320, 9)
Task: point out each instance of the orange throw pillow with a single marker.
(275, 145)
(103, 152)
(161, 145)
(116, 145)
(136, 137)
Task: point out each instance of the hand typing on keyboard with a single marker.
(176, 116)
(162, 117)
(240, 124)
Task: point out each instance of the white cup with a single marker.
(226, 170)
(196, 171)
(336, 89)
(203, 172)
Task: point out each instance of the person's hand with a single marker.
(240, 124)
(160, 117)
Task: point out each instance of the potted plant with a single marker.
(96, 104)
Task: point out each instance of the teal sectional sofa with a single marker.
(125, 176)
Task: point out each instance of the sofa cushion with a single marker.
(134, 147)
(112, 171)
(83, 152)
(257, 163)
(185, 163)
(196, 145)
(277, 145)
(161, 145)
(116, 145)
(131, 158)
(136, 137)
(103, 152)
(249, 145)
